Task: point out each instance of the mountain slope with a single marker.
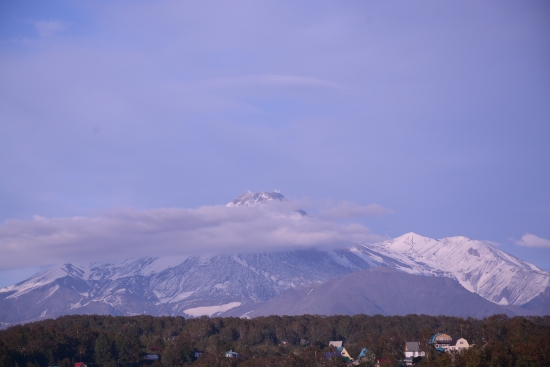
(379, 291)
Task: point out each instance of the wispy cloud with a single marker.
(530, 240)
(47, 28)
(272, 80)
(126, 233)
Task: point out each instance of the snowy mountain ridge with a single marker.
(215, 284)
(478, 266)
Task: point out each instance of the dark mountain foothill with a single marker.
(382, 291)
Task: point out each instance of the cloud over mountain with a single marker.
(124, 233)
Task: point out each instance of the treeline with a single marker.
(269, 341)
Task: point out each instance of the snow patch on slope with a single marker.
(211, 310)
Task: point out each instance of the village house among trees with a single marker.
(443, 343)
(413, 353)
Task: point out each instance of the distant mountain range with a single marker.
(409, 274)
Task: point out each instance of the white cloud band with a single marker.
(127, 233)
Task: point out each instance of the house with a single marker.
(412, 350)
(342, 352)
(441, 341)
(197, 352)
(231, 354)
(151, 357)
(458, 344)
(80, 364)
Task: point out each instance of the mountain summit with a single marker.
(256, 198)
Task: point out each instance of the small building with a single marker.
(341, 351)
(151, 357)
(441, 341)
(412, 350)
(231, 354)
(458, 344)
(80, 364)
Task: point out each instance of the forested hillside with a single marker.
(269, 341)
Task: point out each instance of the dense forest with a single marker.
(270, 341)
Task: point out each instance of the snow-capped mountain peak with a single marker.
(408, 242)
(256, 198)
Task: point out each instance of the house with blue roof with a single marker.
(441, 341)
(340, 350)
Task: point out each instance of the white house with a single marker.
(231, 354)
(458, 344)
(412, 350)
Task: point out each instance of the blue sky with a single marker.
(437, 111)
